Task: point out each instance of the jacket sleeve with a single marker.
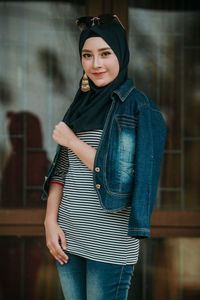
(61, 167)
(56, 172)
(150, 143)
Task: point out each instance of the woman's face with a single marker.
(99, 61)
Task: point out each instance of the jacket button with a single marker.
(98, 186)
(97, 169)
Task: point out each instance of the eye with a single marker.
(105, 54)
(86, 55)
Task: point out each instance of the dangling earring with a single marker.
(85, 84)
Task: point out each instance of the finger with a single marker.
(61, 254)
(63, 241)
(55, 136)
(63, 124)
(59, 259)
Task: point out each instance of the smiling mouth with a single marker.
(98, 74)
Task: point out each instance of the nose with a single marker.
(96, 62)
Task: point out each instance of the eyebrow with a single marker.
(101, 49)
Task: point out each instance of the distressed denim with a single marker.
(85, 279)
(129, 156)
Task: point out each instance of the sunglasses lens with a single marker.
(106, 19)
(86, 22)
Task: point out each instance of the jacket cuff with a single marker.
(56, 182)
(142, 233)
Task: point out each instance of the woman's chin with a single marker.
(101, 83)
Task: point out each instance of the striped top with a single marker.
(90, 231)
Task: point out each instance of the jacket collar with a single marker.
(124, 90)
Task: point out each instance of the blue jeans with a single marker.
(85, 279)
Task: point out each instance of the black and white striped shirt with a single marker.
(90, 231)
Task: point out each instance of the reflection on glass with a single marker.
(27, 271)
(170, 199)
(27, 163)
(37, 44)
(168, 269)
(192, 93)
(192, 187)
(165, 63)
(171, 171)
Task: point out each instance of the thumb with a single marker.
(63, 240)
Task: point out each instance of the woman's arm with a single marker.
(64, 136)
(55, 238)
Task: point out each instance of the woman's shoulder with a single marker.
(143, 100)
(132, 95)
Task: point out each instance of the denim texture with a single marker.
(85, 279)
(129, 157)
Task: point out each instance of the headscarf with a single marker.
(89, 109)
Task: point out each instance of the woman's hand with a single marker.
(56, 242)
(63, 135)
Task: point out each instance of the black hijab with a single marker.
(89, 109)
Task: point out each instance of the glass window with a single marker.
(40, 71)
(168, 269)
(164, 39)
(30, 270)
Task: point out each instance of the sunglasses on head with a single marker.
(87, 22)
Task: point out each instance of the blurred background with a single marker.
(39, 75)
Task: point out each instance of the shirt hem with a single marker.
(79, 253)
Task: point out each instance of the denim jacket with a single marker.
(128, 158)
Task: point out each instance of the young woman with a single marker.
(101, 186)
